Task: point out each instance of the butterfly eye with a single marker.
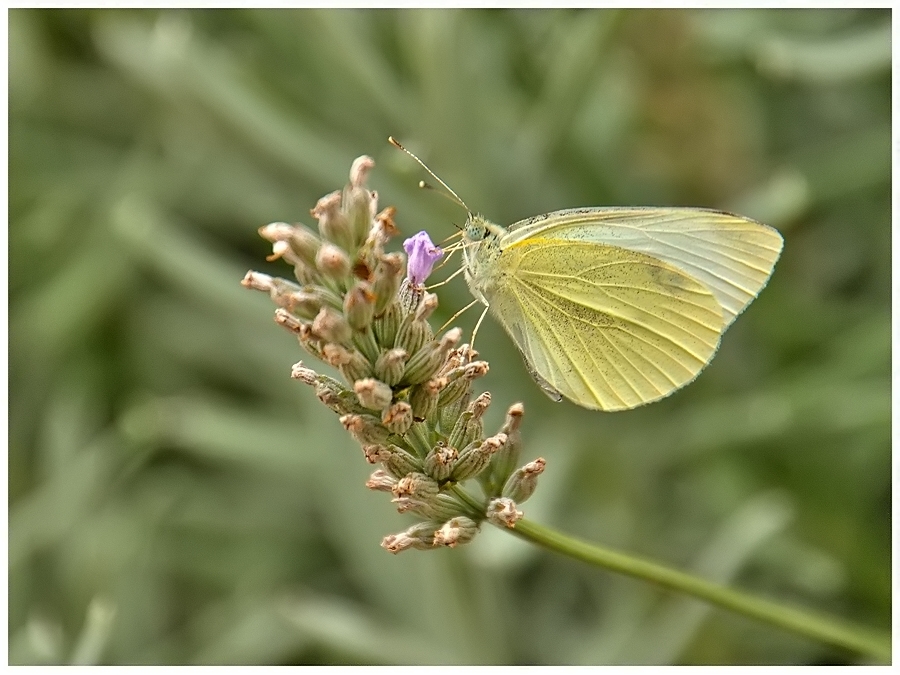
(475, 230)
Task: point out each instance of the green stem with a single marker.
(825, 629)
(476, 507)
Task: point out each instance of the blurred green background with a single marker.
(175, 498)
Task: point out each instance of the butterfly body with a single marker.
(615, 307)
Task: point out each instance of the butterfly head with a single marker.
(479, 229)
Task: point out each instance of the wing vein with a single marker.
(561, 350)
(631, 333)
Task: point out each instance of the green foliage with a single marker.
(176, 498)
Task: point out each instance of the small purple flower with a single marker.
(422, 256)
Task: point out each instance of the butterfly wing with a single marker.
(606, 327)
(731, 255)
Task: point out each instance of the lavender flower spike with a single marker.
(422, 256)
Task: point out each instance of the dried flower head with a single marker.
(407, 394)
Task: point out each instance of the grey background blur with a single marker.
(175, 498)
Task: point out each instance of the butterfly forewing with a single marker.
(731, 255)
(606, 327)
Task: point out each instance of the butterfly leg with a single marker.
(478, 323)
(454, 317)
(447, 280)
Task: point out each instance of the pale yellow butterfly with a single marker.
(615, 307)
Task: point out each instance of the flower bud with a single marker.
(352, 364)
(419, 438)
(328, 390)
(468, 354)
(362, 266)
(476, 457)
(341, 402)
(449, 415)
(439, 461)
(359, 170)
(376, 453)
(502, 511)
(385, 223)
(458, 432)
(505, 460)
(359, 204)
(287, 320)
(390, 365)
(302, 243)
(480, 405)
(304, 304)
(304, 374)
(332, 262)
(419, 536)
(522, 483)
(424, 398)
(257, 281)
(386, 325)
(398, 418)
(359, 306)
(285, 294)
(409, 296)
(412, 335)
(442, 507)
(306, 275)
(387, 278)
(333, 224)
(278, 234)
(367, 430)
(281, 249)
(308, 341)
(458, 530)
(415, 492)
(400, 463)
(373, 394)
(305, 245)
(426, 307)
(382, 481)
(475, 370)
(469, 426)
(274, 232)
(337, 356)
(454, 362)
(416, 485)
(331, 327)
(460, 380)
(474, 424)
(425, 363)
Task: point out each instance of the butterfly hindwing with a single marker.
(606, 327)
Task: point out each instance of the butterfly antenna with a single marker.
(423, 184)
(428, 186)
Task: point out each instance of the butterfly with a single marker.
(615, 307)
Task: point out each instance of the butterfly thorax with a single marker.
(482, 248)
